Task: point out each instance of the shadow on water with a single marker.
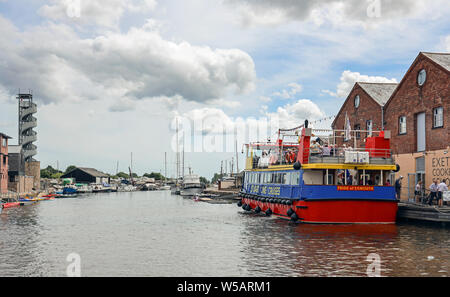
(278, 247)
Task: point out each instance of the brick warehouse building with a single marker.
(363, 107)
(4, 163)
(418, 116)
(416, 112)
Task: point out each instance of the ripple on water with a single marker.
(157, 234)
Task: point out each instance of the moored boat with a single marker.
(191, 185)
(335, 185)
(10, 204)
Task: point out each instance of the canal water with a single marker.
(158, 234)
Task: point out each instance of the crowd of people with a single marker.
(436, 192)
(273, 157)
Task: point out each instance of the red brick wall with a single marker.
(368, 110)
(3, 168)
(411, 99)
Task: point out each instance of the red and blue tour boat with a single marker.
(306, 177)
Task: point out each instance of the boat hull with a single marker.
(10, 204)
(351, 211)
(191, 191)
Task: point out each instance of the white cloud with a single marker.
(105, 13)
(292, 115)
(287, 116)
(447, 43)
(290, 93)
(265, 99)
(348, 79)
(335, 12)
(134, 65)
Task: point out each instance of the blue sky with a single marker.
(111, 81)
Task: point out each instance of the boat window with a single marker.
(287, 179)
(331, 179)
(313, 177)
(295, 178)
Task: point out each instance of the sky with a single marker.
(112, 78)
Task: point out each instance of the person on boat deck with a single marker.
(398, 187)
(326, 150)
(294, 155)
(388, 183)
(315, 148)
(433, 190)
(441, 188)
(288, 156)
(340, 179)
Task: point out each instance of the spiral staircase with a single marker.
(27, 122)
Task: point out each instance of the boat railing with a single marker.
(326, 155)
(343, 155)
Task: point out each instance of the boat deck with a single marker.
(423, 212)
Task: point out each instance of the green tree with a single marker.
(203, 180)
(122, 175)
(70, 168)
(155, 175)
(50, 172)
(216, 177)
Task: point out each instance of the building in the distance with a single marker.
(417, 114)
(4, 162)
(18, 180)
(87, 175)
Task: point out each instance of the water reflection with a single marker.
(156, 234)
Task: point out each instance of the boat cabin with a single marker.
(305, 161)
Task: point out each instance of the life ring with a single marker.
(289, 212)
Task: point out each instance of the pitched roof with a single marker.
(442, 59)
(380, 92)
(91, 171)
(5, 136)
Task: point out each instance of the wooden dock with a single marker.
(424, 212)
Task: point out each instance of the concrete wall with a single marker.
(34, 169)
(22, 184)
(437, 165)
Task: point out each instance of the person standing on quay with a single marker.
(398, 187)
(418, 191)
(433, 190)
(441, 188)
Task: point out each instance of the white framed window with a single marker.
(357, 101)
(438, 117)
(402, 125)
(295, 178)
(422, 77)
(369, 127)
